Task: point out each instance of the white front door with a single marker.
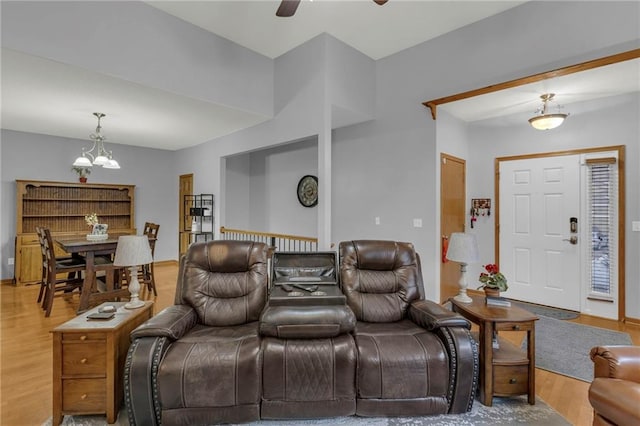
(538, 198)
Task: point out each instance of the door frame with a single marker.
(463, 162)
(620, 149)
(182, 230)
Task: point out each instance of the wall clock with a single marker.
(308, 191)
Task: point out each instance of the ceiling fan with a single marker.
(288, 7)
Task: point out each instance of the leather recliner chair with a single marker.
(614, 393)
(200, 361)
(414, 356)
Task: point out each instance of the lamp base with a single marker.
(463, 298)
(134, 304)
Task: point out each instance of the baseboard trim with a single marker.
(166, 262)
(632, 321)
(8, 281)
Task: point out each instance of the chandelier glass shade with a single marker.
(546, 121)
(97, 155)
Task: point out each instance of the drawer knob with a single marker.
(513, 381)
(83, 361)
(83, 396)
(516, 327)
(83, 337)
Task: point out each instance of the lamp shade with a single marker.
(133, 250)
(547, 121)
(463, 248)
(82, 162)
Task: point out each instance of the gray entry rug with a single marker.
(504, 412)
(563, 347)
(547, 311)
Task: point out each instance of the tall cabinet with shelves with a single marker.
(198, 218)
(61, 207)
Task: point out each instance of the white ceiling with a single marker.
(48, 97)
(376, 31)
(596, 83)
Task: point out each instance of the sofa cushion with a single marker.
(212, 367)
(400, 361)
(379, 278)
(306, 322)
(227, 281)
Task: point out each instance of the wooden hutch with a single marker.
(61, 207)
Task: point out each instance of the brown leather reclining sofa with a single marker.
(223, 354)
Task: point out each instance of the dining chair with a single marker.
(147, 271)
(52, 267)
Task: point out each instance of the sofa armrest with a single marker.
(140, 380)
(172, 322)
(616, 362)
(431, 316)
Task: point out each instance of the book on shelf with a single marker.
(498, 301)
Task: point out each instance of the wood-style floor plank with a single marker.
(26, 358)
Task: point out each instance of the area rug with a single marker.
(547, 311)
(563, 347)
(504, 412)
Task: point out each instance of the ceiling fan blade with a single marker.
(380, 2)
(287, 8)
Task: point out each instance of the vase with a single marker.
(491, 292)
(83, 179)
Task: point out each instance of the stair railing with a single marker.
(276, 242)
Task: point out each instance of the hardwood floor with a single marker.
(26, 363)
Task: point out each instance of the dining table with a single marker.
(93, 251)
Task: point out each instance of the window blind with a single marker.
(602, 202)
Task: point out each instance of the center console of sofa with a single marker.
(307, 344)
(305, 279)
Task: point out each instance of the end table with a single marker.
(505, 370)
(88, 361)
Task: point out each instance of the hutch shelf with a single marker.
(61, 207)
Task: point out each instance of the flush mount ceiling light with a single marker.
(97, 154)
(546, 121)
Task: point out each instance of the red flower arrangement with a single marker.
(493, 278)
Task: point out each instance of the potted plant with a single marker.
(493, 281)
(82, 173)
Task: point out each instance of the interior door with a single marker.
(539, 251)
(452, 217)
(184, 227)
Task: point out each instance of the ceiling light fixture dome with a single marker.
(102, 157)
(546, 121)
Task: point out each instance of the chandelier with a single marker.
(546, 121)
(97, 154)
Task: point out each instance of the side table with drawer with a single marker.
(505, 370)
(88, 361)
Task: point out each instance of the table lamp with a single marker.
(133, 250)
(463, 248)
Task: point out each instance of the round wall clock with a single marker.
(308, 191)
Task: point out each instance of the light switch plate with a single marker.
(635, 226)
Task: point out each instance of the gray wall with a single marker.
(601, 123)
(261, 189)
(387, 167)
(390, 166)
(139, 43)
(33, 156)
